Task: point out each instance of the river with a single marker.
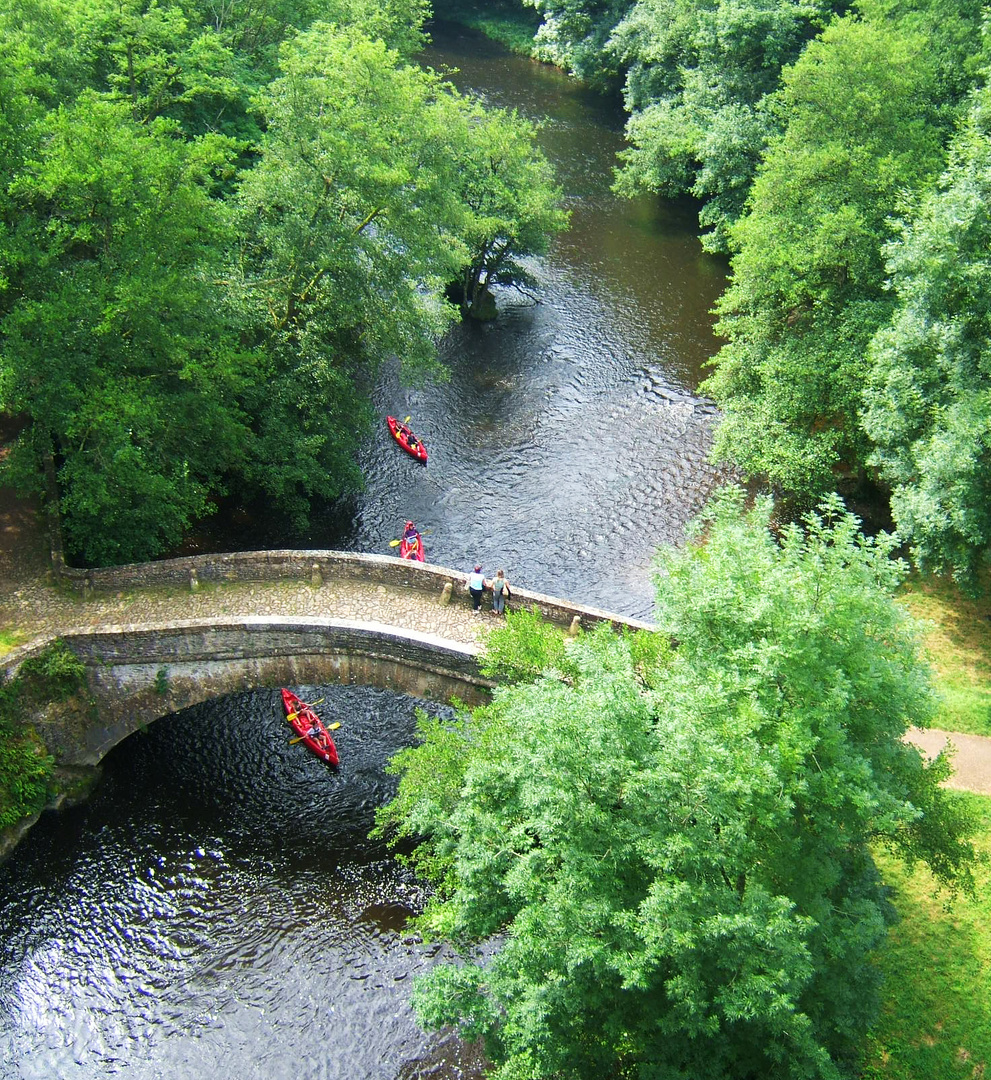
(217, 908)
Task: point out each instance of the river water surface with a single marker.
(569, 442)
(217, 908)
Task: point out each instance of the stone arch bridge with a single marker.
(158, 637)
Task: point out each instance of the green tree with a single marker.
(398, 23)
(193, 61)
(697, 80)
(574, 34)
(928, 402)
(701, 80)
(511, 203)
(668, 849)
(347, 235)
(20, 110)
(111, 341)
(159, 58)
(807, 291)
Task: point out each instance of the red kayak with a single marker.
(407, 440)
(412, 548)
(309, 727)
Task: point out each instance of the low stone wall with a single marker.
(323, 567)
(137, 674)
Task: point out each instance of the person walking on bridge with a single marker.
(500, 590)
(476, 586)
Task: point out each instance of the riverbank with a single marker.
(939, 1026)
(500, 21)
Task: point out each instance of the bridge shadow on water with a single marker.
(219, 900)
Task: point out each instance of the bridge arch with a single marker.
(137, 675)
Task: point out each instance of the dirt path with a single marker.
(971, 757)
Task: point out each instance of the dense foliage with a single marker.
(822, 376)
(503, 189)
(215, 223)
(815, 135)
(26, 767)
(928, 406)
(808, 290)
(574, 34)
(668, 849)
(698, 80)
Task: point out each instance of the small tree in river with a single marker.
(511, 203)
(670, 846)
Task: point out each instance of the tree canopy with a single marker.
(928, 403)
(664, 839)
(574, 35)
(345, 232)
(110, 340)
(698, 77)
(511, 202)
(216, 224)
(807, 292)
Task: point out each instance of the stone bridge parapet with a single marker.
(323, 567)
(376, 620)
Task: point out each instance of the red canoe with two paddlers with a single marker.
(403, 435)
(311, 730)
(411, 547)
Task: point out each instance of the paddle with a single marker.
(330, 727)
(292, 716)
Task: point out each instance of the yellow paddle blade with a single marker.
(333, 727)
(292, 715)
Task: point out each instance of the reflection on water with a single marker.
(218, 909)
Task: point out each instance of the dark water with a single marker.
(569, 442)
(217, 909)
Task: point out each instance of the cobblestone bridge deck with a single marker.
(37, 604)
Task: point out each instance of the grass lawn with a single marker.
(936, 1024)
(959, 643)
(9, 640)
(500, 20)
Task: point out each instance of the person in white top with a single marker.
(476, 586)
